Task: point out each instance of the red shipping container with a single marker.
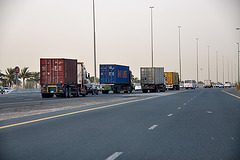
(58, 71)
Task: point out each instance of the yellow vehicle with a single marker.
(172, 80)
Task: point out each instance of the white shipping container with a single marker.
(151, 75)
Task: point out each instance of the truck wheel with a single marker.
(45, 95)
(144, 91)
(78, 92)
(66, 92)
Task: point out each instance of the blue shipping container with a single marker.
(114, 74)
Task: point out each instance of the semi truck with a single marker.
(152, 79)
(115, 78)
(62, 77)
(172, 80)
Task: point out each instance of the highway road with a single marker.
(191, 124)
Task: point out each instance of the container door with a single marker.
(111, 74)
(103, 74)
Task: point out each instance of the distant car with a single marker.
(189, 83)
(227, 85)
(91, 88)
(7, 90)
(99, 87)
(137, 87)
(219, 85)
(1, 90)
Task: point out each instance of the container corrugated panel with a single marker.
(114, 74)
(171, 77)
(58, 71)
(151, 75)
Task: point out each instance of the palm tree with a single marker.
(24, 74)
(10, 76)
(35, 77)
(3, 81)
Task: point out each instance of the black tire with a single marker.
(144, 91)
(78, 92)
(45, 95)
(66, 94)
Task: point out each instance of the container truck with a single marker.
(115, 78)
(172, 80)
(62, 77)
(152, 79)
(207, 84)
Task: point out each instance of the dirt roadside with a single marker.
(28, 110)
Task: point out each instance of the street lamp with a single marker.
(197, 59)
(208, 65)
(94, 42)
(151, 34)
(179, 51)
(238, 61)
(223, 69)
(217, 66)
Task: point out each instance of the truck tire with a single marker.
(144, 91)
(66, 95)
(45, 95)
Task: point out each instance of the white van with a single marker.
(189, 83)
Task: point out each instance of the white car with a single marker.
(227, 85)
(137, 87)
(189, 83)
(7, 90)
(219, 85)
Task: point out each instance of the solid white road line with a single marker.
(114, 156)
(170, 115)
(151, 128)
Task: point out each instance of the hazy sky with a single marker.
(31, 29)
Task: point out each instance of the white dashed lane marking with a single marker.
(151, 128)
(170, 115)
(114, 156)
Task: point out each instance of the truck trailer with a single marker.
(62, 77)
(152, 79)
(115, 78)
(172, 80)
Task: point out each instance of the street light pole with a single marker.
(217, 66)
(151, 34)
(208, 65)
(223, 69)
(238, 62)
(94, 42)
(179, 47)
(197, 60)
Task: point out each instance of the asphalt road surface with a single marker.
(192, 124)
